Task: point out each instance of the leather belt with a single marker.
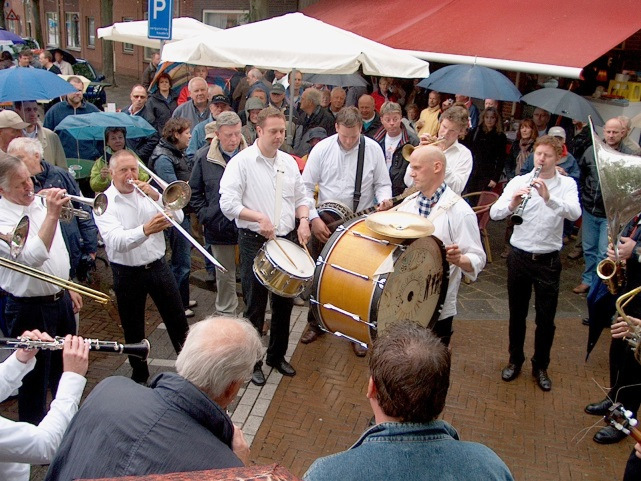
(151, 265)
(544, 257)
(39, 299)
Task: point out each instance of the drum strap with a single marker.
(359, 173)
(278, 201)
(444, 207)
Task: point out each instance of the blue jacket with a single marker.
(198, 138)
(411, 452)
(83, 149)
(125, 429)
(81, 236)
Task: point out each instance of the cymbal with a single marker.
(402, 225)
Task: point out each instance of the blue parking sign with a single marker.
(160, 19)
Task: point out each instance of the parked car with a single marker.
(31, 43)
(95, 92)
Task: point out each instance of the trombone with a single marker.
(97, 204)
(17, 240)
(173, 206)
(176, 195)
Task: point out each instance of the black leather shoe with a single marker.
(609, 435)
(585, 321)
(258, 378)
(542, 379)
(283, 367)
(510, 372)
(599, 409)
(359, 350)
(310, 335)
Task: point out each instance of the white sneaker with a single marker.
(189, 313)
(192, 303)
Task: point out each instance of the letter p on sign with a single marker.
(160, 19)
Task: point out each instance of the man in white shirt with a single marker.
(453, 126)
(22, 443)
(32, 303)
(332, 166)
(132, 230)
(533, 261)
(248, 195)
(455, 225)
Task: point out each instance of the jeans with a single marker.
(255, 295)
(56, 319)
(131, 285)
(595, 244)
(543, 274)
(181, 259)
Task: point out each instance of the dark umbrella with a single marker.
(10, 36)
(600, 311)
(24, 83)
(66, 56)
(272, 472)
(472, 81)
(347, 80)
(563, 102)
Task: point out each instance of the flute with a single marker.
(140, 349)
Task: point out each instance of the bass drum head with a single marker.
(416, 289)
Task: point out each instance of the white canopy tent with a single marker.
(136, 32)
(295, 41)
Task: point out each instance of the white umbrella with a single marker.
(295, 41)
(136, 32)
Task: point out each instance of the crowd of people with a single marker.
(255, 176)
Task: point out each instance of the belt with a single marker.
(39, 299)
(535, 257)
(151, 265)
(250, 233)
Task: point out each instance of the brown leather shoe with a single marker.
(359, 350)
(310, 335)
(581, 289)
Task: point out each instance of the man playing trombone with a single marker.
(32, 303)
(132, 231)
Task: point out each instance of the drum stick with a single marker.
(283, 250)
(307, 250)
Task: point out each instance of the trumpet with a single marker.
(17, 238)
(517, 216)
(407, 149)
(97, 204)
(140, 349)
(173, 206)
(175, 195)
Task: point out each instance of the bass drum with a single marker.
(364, 281)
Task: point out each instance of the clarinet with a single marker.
(517, 217)
(140, 349)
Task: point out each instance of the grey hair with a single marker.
(8, 165)
(28, 146)
(314, 96)
(116, 157)
(190, 85)
(391, 108)
(255, 73)
(219, 351)
(625, 122)
(226, 118)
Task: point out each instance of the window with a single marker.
(148, 52)
(91, 32)
(225, 18)
(52, 29)
(72, 26)
(128, 47)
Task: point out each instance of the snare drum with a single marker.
(364, 281)
(275, 271)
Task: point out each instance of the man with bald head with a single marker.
(371, 119)
(454, 223)
(197, 108)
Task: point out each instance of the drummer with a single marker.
(332, 166)
(249, 193)
(454, 222)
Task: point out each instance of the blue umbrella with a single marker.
(92, 126)
(10, 36)
(472, 81)
(25, 83)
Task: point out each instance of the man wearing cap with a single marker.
(220, 232)
(253, 106)
(332, 165)
(277, 97)
(142, 146)
(53, 151)
(314, 116)
(74, 105)
(219, 103)
(336, 100)
(11, 126)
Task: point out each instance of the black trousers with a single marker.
(56, 318)
(524, 272)
(625, 376)
(132, 285)
(255, 295)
